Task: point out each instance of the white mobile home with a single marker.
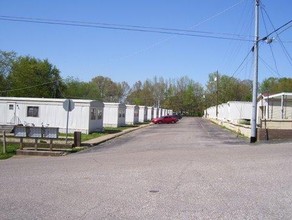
(149, 113)
(223, 112)
(114, 114)
(210, 112)
(155, 112)
(232, 111)
(132, 114)
(275, 111)
(239, 110)
(142, 113)
(159, 112)
(164, 112)
(277, 106)
(86, 115)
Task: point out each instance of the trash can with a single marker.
(77, 139)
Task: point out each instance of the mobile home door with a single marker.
(11, 113)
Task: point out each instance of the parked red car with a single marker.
(165, 120)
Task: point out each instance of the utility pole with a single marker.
(253, 136)
(217, 93)
(216, 79)
(55, 89)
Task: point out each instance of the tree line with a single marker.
(26, 76)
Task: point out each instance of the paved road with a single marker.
(189, 170)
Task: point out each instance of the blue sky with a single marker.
(83, 52)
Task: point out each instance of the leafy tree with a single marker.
(147, 93)
(211, 90)
(285, 85)
(276, 85)
(244, 92)
(159, 90)
(31, 77)
(77, 89)
(170, 97)
(227, 88)
(106, 90)
(99, 88)
(188, 97)
(135, 95)
(6, 61)
(182, 95)
(123, 89)
(3, 85)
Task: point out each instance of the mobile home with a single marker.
(142, 113)
(155, 112)
(132, 114)
(85, 115)
(114, 114)
(238, 110)
(275, 111)
(233, 111)
(150, 113)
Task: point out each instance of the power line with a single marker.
(190, 29)
(29, 87)
(243, 27)
(170, 31)
(265, 38)
(285, 30)
(240, 65)
(93, 24)
(272, 52)
(276, 31)
(269, 67)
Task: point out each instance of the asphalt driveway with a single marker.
(189, 170)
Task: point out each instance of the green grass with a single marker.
(76, 149)
(63, 135)
(244, 122)
(11, 148)
(86, 137)
(107, 130)
(10, 151)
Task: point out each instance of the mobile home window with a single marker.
(99, 114)
(32, 111)
(93, 114)
(121, 114)
(11, 107)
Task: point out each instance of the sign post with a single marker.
(4, 142)
(68, 105)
